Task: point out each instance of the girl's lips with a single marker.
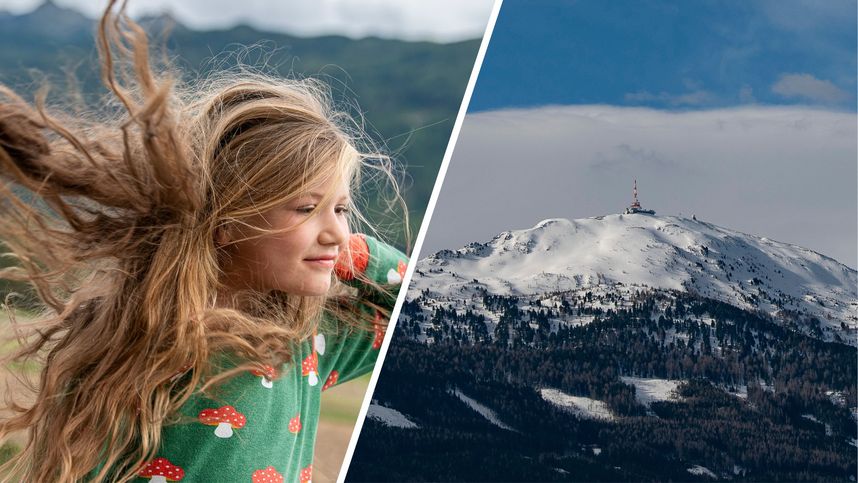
(323, 262)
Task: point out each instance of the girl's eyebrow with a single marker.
(316, 195)
(313, 195)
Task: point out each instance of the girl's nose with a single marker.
(335, 229)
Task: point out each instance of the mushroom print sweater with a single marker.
(262, 427)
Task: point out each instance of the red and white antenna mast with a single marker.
(636, 203)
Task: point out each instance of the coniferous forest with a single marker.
(757, 402)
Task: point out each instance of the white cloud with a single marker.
(808, 87)
(787, 173)
(438, 20)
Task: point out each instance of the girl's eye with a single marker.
(307, 209)
(342, 209)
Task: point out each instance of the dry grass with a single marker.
(340, 407)
(10, 383)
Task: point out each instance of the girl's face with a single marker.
(300, 260)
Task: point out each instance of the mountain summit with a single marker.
(641, 251)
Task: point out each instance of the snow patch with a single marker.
(649, 390)
(701, 471)
(389, 417)
(584, 407)
(740, 391)
(811, 417)
(482, 410)
(828, 430)
(837, 397)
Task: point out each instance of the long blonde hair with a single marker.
(113, 224)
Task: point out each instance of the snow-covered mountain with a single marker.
(637, 251)
(616, 340)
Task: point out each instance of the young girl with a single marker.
(201, 283)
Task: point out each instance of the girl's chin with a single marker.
(317, 289)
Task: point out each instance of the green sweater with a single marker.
(261, 430)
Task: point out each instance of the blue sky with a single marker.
(670, 54)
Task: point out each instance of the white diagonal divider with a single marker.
(421, 235)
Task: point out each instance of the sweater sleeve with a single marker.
(352, 352)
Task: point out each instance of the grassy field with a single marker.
(340, 406)
(7, 382)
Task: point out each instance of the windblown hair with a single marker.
(113, 223)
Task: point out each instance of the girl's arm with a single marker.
(369, 259)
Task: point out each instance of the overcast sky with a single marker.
(437, 20)
(784, 172)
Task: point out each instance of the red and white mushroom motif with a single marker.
(268, 475)
(395, 276)
(310, 368)
(319, 344)
(379, 336)
(378, 327)
(354, 259)
(225, 418)
(295, 424)
(267, 374)
(331, 380)
(306, 474)
(160, 470)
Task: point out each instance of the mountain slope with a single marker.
(630, 252)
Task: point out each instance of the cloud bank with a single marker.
(787, 173)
